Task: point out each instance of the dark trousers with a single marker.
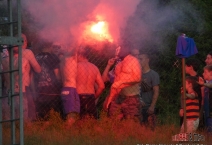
(87, 105)
(47, 102)
(149, 119)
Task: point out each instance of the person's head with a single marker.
(207, 74)
(24, 45)
(45, 46)
(144, 59)
(15, 50)
(191, 65)
(125, 50)
(56, 47)
(191, 82)
(84, 52)
(208, 59)
(135, 52)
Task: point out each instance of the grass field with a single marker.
(89, 131)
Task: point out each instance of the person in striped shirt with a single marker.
(192, 105)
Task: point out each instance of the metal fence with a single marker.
(43, 87)
(170, 73)
(42, 82)
(46, 98)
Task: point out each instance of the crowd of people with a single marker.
(70, 84)
(198, 103)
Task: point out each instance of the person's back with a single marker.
(68, 68)
(48, 63)
(69, 95)
(48, 87)
(89, 83)
(86, 77)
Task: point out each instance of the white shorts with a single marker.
(192, 125)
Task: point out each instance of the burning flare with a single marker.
(101, 29)
(98, 28)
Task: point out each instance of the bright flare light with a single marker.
(98, 28)
(101, 29)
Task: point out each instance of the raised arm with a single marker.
(105, 77)
(191, 96)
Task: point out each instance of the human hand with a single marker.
(151, 110)
(105, 104)
(143, 104)
(201, 81)
(181, 90)
(111, 61)
(181, 112)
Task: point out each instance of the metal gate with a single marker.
(11, 128)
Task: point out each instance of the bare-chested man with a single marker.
(123, 100)
(88, 78)
(28, 61)
(69, 95)
(34, 66)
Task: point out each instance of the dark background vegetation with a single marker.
(163, 59)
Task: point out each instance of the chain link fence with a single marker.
(45, 87)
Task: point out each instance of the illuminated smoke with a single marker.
(66, 20)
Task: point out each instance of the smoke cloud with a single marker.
(65, 20)
(153, 21)
(137, 21)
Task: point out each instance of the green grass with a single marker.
(89, 131)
